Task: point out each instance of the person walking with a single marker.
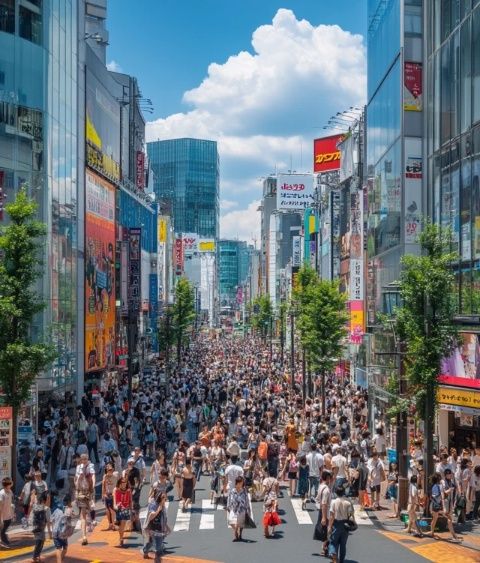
(41, 520)
(303, 484)
(84, 491)
(315, 463)
(156, 526)
(122, 504)
(323, 500)
(238, 506)
(7, 513)
(188, 485)
(62, 528)
(413, 506)
(341, 511)
(438, 507)
(108, 485)
(92, 439)
(291, 469)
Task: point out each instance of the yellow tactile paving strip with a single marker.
(437, 551)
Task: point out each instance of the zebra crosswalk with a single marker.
(205, 516)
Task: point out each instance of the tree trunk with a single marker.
(429, 431)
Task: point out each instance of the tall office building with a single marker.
(452, 54)
(233, 269)
(187, 175)
(38, 150)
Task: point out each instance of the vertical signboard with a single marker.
(190, 243)
(6, 427)
(178, 256)
(294, 191)
(356, 322)
(140, 170)
(153, 297)
(356, 246)
(162, 231)
(412, 87)
(134, 269)
(99, 272)
(296, 251)
(413, 188)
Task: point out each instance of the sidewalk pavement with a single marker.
(103, 548)
(440, 550)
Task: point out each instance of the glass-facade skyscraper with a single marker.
(452, 50)
(38, 151)
(187, 176)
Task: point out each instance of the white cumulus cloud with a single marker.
(114, 66)
(242, 224)
(266, 106)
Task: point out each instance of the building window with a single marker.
(7, 16)
(476, 63)
(30, 25)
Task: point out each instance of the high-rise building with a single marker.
(187, 174)
(39, 127)
(452, 148)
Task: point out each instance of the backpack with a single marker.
(39, 519)
(262, 450)
(65, 527)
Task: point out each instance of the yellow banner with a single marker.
(459, 397)
(162, 230)
(206, 246)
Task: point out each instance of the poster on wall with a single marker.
(462, 367)
(6, 422)
(412, 87)
(357, 324)
(190, 243)
(413, 189)
(99, 273)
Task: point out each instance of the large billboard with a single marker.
(294, 191)
(102, 133)
(99, 273)
(462, 367)
(326, 155)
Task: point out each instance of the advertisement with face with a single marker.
(462, 368)
(99, 273)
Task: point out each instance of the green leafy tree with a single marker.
(425, 321)
(262, 314)
(183, 313)
(21, 360)
(322, 321)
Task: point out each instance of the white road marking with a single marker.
(78, 525)
(303, 517)
(207, 519)
(182, 522)
(361, 517)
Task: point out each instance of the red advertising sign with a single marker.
(178, 256)
(326, 156)
(140, 170)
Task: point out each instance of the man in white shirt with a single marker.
(339, 465)
(315, 463)
(231, 473)
(376, 475)
(322, 501)
(234, 449)
(379, 443)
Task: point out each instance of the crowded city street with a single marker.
(230, 439)
(240, 281)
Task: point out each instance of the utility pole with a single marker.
(271, 337)
(429, 412)
(402, 438)
(292, 350)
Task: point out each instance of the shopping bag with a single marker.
(249, 523)
(232, 518)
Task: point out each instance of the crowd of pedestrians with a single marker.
(232, 414)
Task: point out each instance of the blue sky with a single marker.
(281, 70)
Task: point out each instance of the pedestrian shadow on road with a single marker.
(323, 557)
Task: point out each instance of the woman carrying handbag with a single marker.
(122, 504)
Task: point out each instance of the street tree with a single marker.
(183, 313)
(425, 323)
(262, 314)
(21, 359)
(321, 320)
